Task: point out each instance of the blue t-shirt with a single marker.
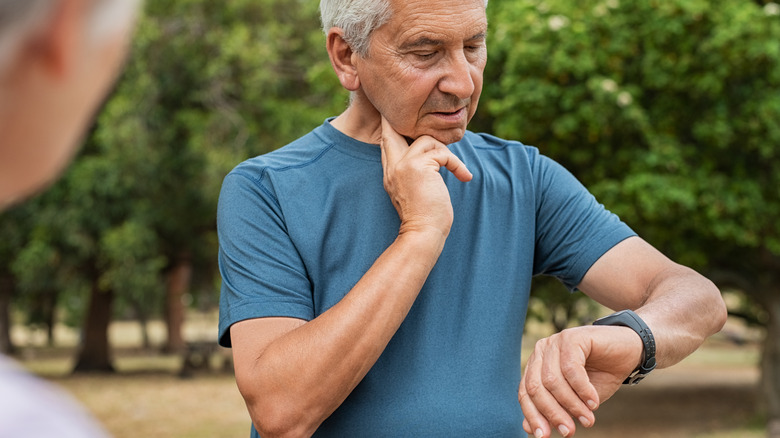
(298, 228)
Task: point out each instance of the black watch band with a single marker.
(627, 318)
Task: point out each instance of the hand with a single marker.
(571, 373)
(413, 181)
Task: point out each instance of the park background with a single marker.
(668, 111)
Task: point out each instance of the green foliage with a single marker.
(130, 264)
(207, 85)
(550, 304)
(667, 111)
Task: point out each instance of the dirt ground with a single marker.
(695, 399)
(682, 402)
(714, 393)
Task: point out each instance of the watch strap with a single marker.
(627, 318)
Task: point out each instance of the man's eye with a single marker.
(425, 55)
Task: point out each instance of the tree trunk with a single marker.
(178, 283)
(561, 315)
(143, 321)
(49, 310)
(770, 364)
(94, 353)
(6, 292)
(42, 312)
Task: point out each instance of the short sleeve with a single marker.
(573, 230)
(262, 272)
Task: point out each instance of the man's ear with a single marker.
(57, 44)
(343, 59)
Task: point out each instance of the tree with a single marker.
(210, 84)
(207, 85)
(12, 231)
(668, 112)
(549, 304)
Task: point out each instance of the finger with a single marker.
(534, 422)
(558, 402)
(383, 156)
(393, 144)
(573, 367)
(445, 158)
(548, 391)
(555, 380)
(560, 364)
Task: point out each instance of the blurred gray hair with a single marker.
(358, 19)
(21, 18)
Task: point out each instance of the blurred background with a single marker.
(669, 111)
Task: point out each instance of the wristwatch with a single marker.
(627, 318)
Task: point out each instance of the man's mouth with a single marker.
(452, 116)
(449, 113)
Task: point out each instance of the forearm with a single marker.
(679, 305)
(303, 376)
(682, 309)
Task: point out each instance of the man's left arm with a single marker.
(571, 373)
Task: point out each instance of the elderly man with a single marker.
(57, 60)
(368, 292)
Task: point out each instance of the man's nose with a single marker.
(457, 79)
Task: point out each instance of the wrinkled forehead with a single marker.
(442, 19)
(443, 6)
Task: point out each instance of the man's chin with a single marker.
(449, 136)
(445, 136)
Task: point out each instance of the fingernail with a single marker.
(584, 421)
(538, 433)
(592, 405)
(563, 430)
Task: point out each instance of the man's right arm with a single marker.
(293, 374)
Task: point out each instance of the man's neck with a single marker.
(360, 121)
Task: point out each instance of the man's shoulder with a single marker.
(491, 146)
(492, 143)
(297, 154)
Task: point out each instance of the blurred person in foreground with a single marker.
(58, 59)
(376, 271)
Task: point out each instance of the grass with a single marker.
(160, 405)
(146, 398)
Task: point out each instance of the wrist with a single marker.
(627, 318)
(422, 241)
(424, 233)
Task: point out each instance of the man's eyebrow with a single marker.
(421, 42)
(427, 42)
(479, 36)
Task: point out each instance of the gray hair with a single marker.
(21, 18)
(358, 19)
